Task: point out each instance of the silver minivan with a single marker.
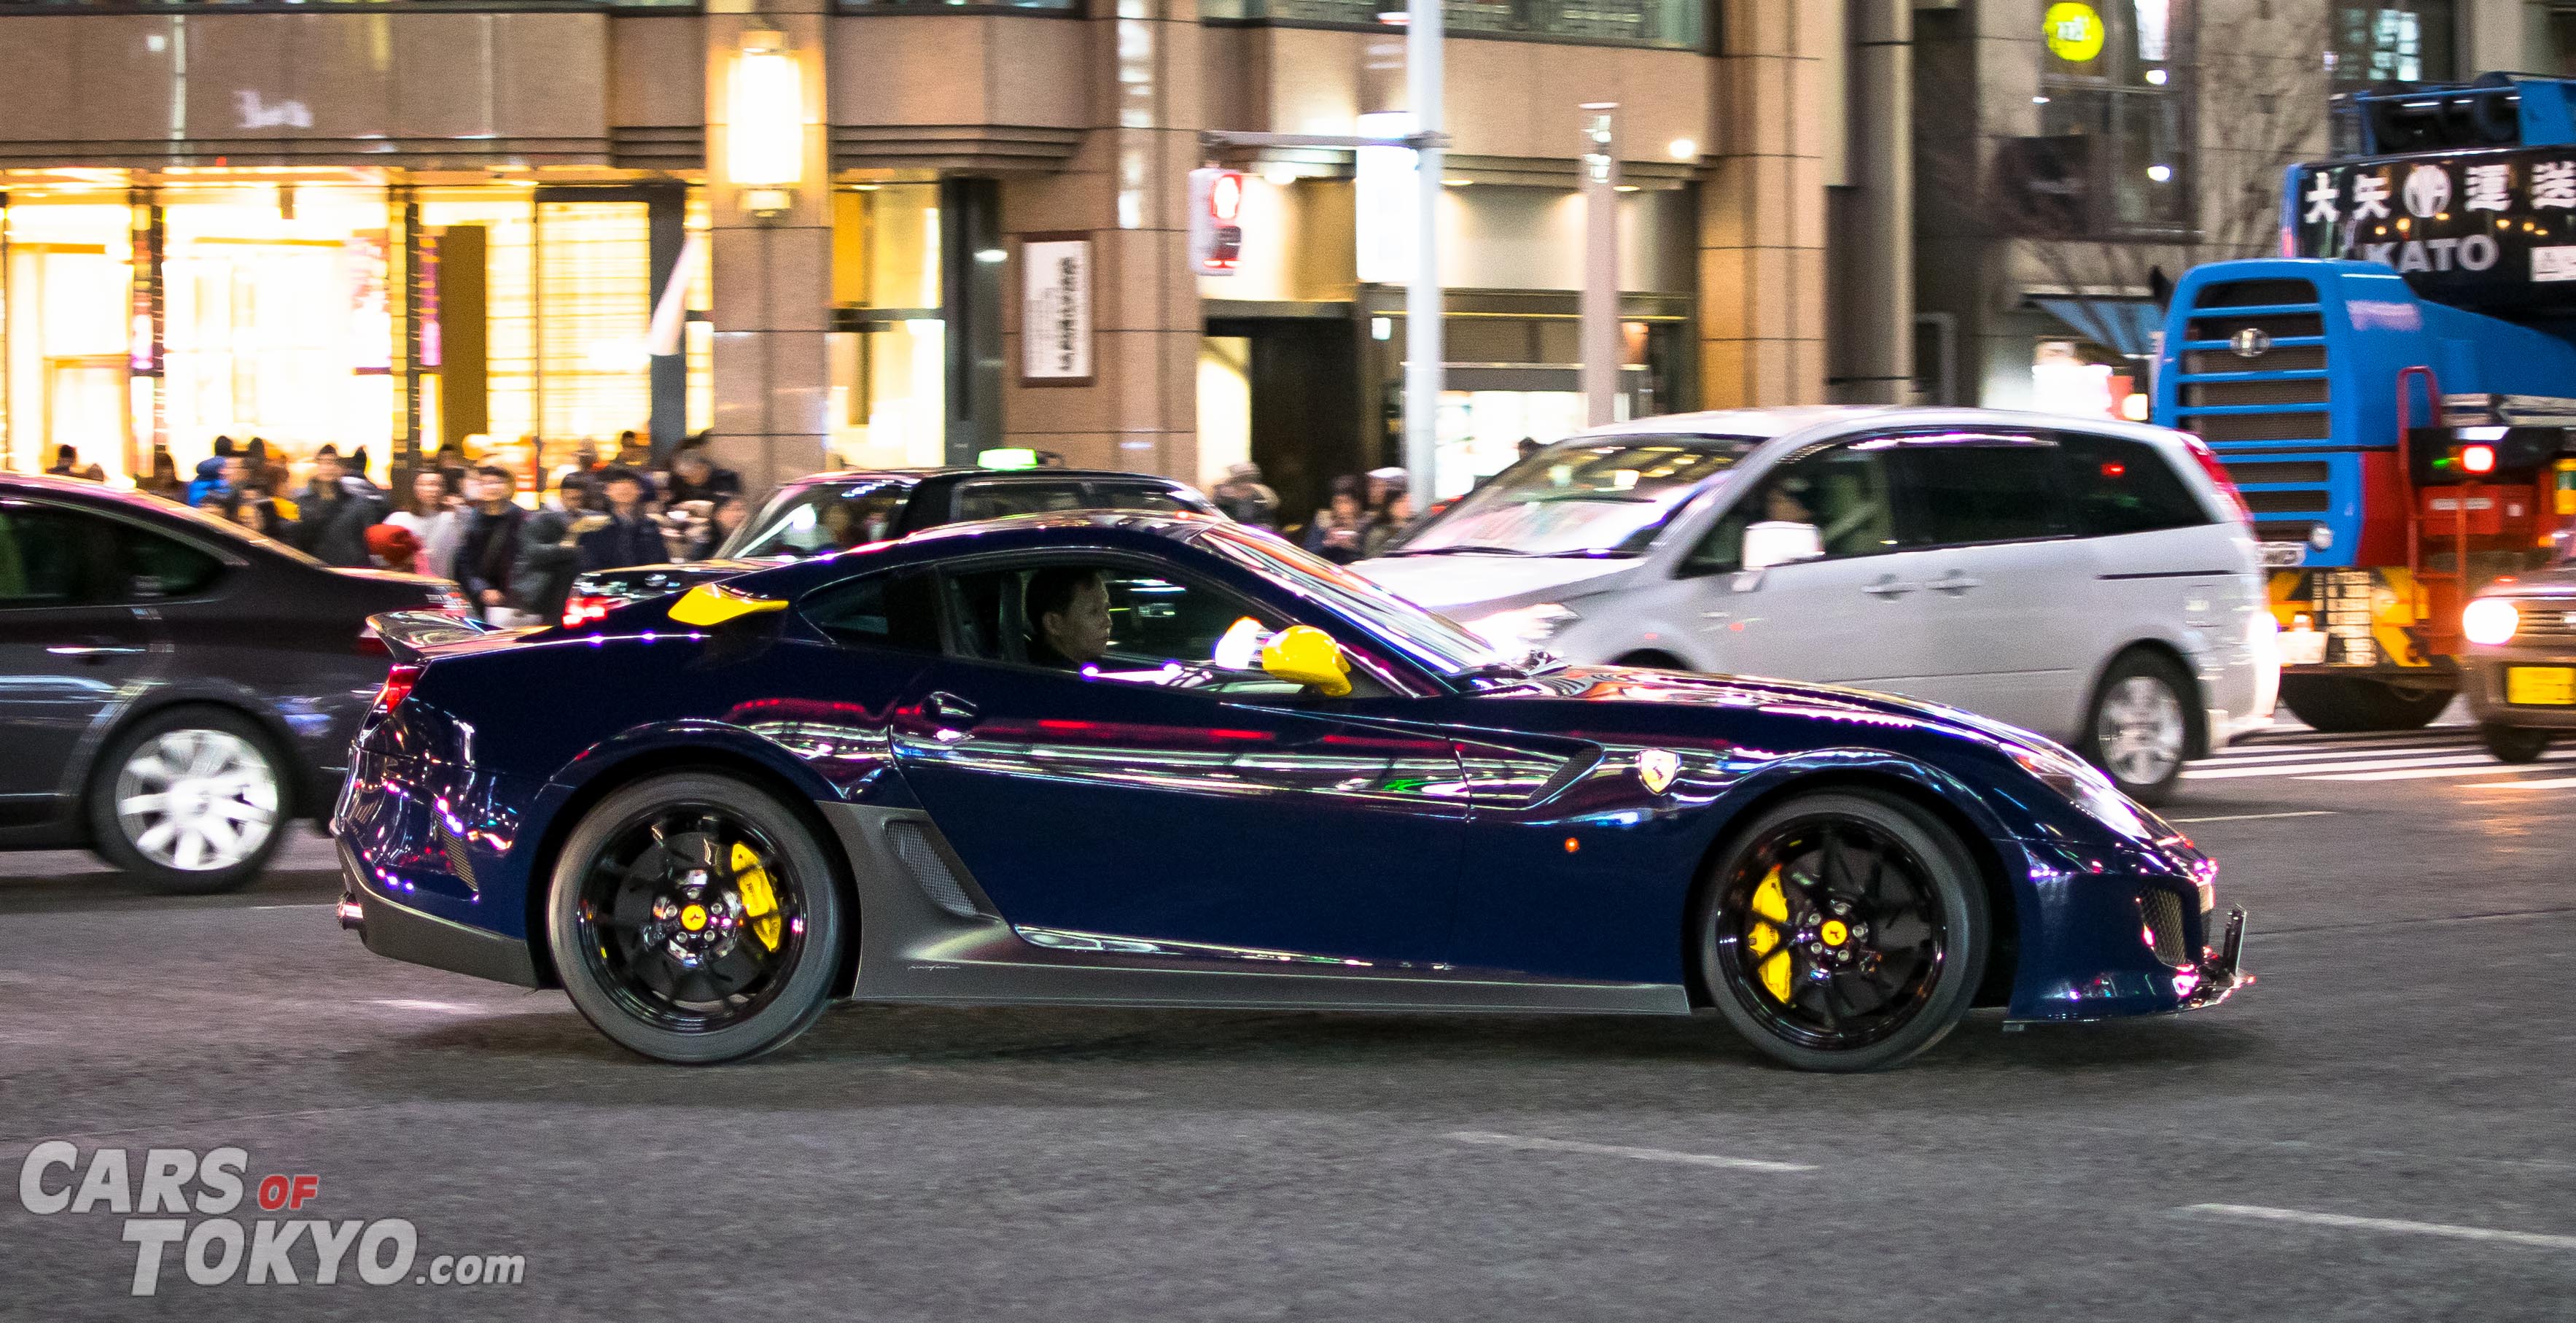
(2087, 579)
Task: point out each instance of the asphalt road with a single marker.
(2380, 1130)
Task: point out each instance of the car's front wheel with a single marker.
(694, 919)
(188, 800)
(1843, 930)
(2140, 726)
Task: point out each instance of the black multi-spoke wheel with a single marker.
(694, 920)
(1843, 931)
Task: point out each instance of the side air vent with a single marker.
(929, 868)
(2162, 910)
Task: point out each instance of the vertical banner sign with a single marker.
(151, 426)
(1387, 199)
(1055, 311)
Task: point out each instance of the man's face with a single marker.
(488, 489)
(1081, 630)
(693, 468)
(429, 488)
(326, 470)
(624, 492)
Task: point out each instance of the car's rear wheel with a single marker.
(188, 800)
(2337, 704)
(1843, 931)
(2514, 744)
(694, 919)
(2140, 725)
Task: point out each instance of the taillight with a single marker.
(583, 610)
(372, 643)
(397, 687)
(2218, 476)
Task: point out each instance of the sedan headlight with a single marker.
(2084, 785)
(2490, 620)
(1524, 626)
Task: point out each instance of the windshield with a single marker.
(1433, 640)
(820, 518)
(1606, 497)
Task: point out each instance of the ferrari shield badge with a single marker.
(1657, 768)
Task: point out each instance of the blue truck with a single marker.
(2392, 396)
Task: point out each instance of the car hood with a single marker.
(1664, 691)
(2559, 581)
(1449, 583)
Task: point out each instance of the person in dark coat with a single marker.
(548, 555)
(626, 532)
(488, 550)
(333, 517)
(695, 477)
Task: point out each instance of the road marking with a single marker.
(2251, 817)
(415, 1004)
(2310, 769)
(2261, 1214)
(313, 905)
(2550, 783)
(1533, 1144)
(2329, 755)
(2419, 773)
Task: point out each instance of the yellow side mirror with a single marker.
(1303, 654)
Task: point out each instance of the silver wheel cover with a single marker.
(2140, 730)
(198, 801)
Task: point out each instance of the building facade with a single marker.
(822, 231)
(2073, 156)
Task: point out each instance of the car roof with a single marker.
(1819, 421)
(1125, 529)
(956, 471)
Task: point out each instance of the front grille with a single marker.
(2163, 912)
(2258, 293)
(2550, 621)
(460, 860)
(2296, 390)
(2307, 502)
(2284, 532)
(2220, 428)
(2278, 358)
(2278, 325)
(2257, 472)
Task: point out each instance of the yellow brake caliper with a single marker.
(1769, 903)
(759, 903)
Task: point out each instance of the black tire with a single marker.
(631, 968)
(2143, 722)
(2337, 705)
(1944, 901)
(2515, 744)
(152, 846)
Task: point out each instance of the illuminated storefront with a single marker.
(293, 307)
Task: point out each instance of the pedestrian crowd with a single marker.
(1365, 513)
(461, 520)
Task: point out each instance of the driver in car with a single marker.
(1067, 608)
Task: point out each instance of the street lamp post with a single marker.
(1423, 355)
(1600, 306)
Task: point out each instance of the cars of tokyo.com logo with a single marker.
(180, 1198)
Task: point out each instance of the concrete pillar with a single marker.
(1873, 234)
(1762, 207)
(772, 278)
(1127, 190)
(2494, 38)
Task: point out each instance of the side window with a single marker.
(1966, 492)
(1114, 496)
(997, 500)
(48, 557)
(897, 610)
(822, 520)
(158, 567)
(2116, 486)
(1119, 622)
(1827, 504)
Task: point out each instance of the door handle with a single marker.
(1956, 583)
(1888, 587)
(95, 649)
(950, 708)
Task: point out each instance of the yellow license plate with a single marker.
(2540, 686)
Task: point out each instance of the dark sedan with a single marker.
(173, 689)
(1107, 759)
(831, 512)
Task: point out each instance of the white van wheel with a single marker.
(2140, 727)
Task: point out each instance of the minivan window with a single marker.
(1834, 499)
(1981, 490)
(2117, 485)
(1603, 497)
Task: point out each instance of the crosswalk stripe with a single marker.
(2287, 736)
(2310, 769)
(2312, 756)
(2549, 783)
(2417, 773)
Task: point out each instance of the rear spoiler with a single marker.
(411, 636)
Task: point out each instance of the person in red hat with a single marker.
(393, 546)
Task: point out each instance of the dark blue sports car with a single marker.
(1141, 760)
